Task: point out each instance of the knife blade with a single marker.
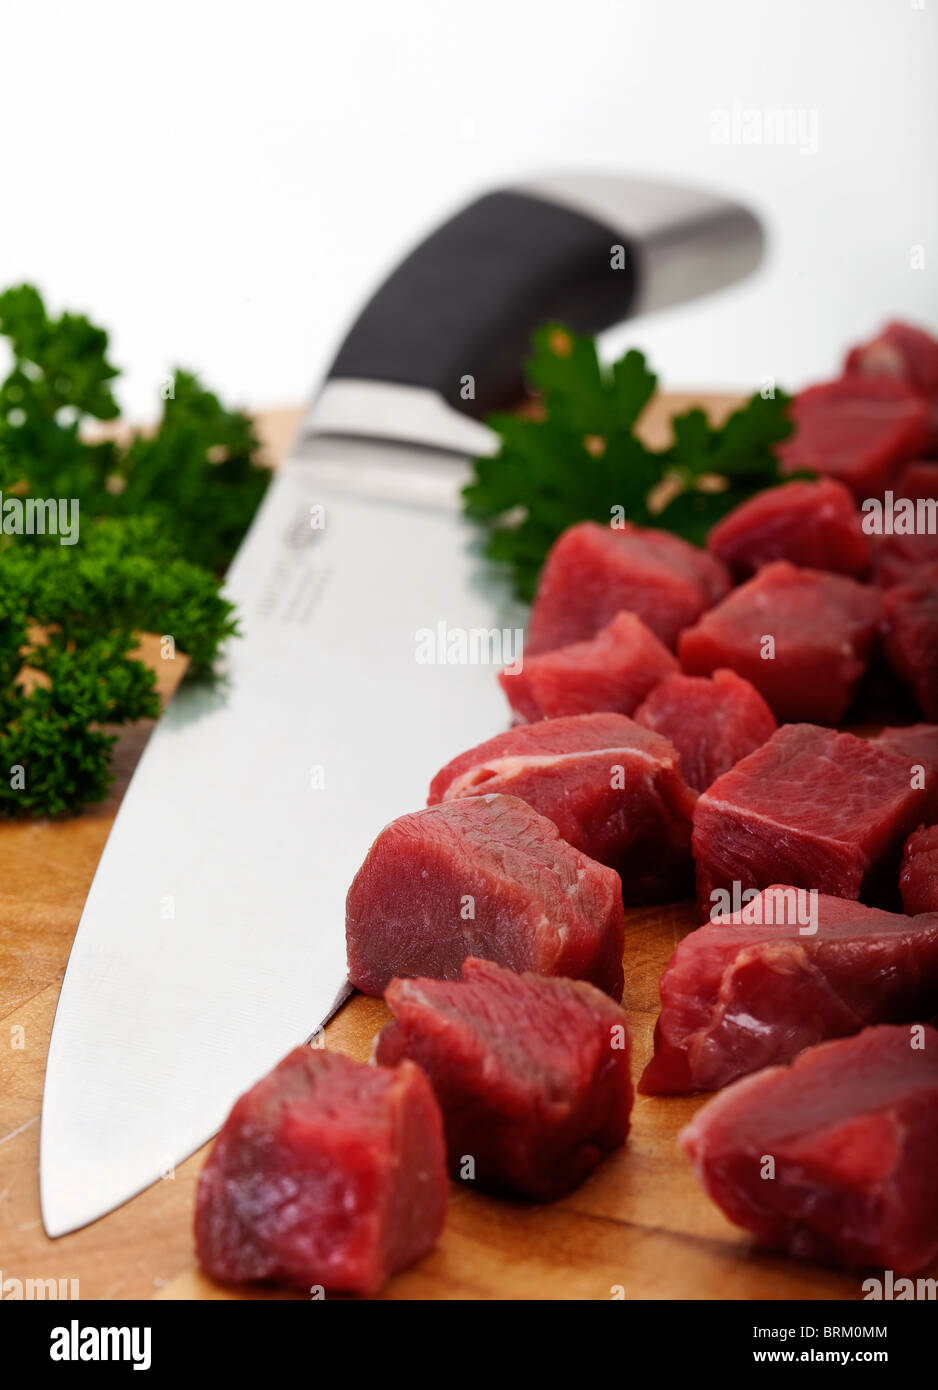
(212, 938)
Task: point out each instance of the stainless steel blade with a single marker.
(212, 939)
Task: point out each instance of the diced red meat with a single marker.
(850, 1129)
(755, 987)
(612, 789)
(532, 1074)
(712, 723)
(816, 525)
(812, 808)
(611, 672)
(327, 1174)
(918, 479)
(919, 744)
(801, 637)
(919, 876)
(483, 876)
(912, 542)
(910, 635)
(857, 429)
(901, 351)
(899, 558)
(594, 572)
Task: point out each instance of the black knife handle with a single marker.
(457, 315)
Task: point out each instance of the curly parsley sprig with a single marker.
(160, 513)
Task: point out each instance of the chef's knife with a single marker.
(212, 939)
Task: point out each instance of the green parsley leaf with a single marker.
(581, 458)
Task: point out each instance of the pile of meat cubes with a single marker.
(675, 731)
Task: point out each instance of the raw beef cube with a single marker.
(802, 637)
(900, 351)
(757, 986)
(850, 1130)
(913, 499)
(712, 723)
(899, 558)
(532, 1074)
(811, 808)
(812, 524)
(326, 1173)
(484, 876)
(594, 572)
(857, 429)
(919, 877)
(612, 671)
(919, 744)
(612, 789)
(918, 479)
(910, 635)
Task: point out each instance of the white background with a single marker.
(221, 183)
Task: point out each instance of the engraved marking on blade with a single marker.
(293, 587)
(292, 592)
(301, 601)
(299, 534)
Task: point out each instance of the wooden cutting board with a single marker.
(640, 1227)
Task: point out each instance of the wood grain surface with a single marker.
(639, 1226)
